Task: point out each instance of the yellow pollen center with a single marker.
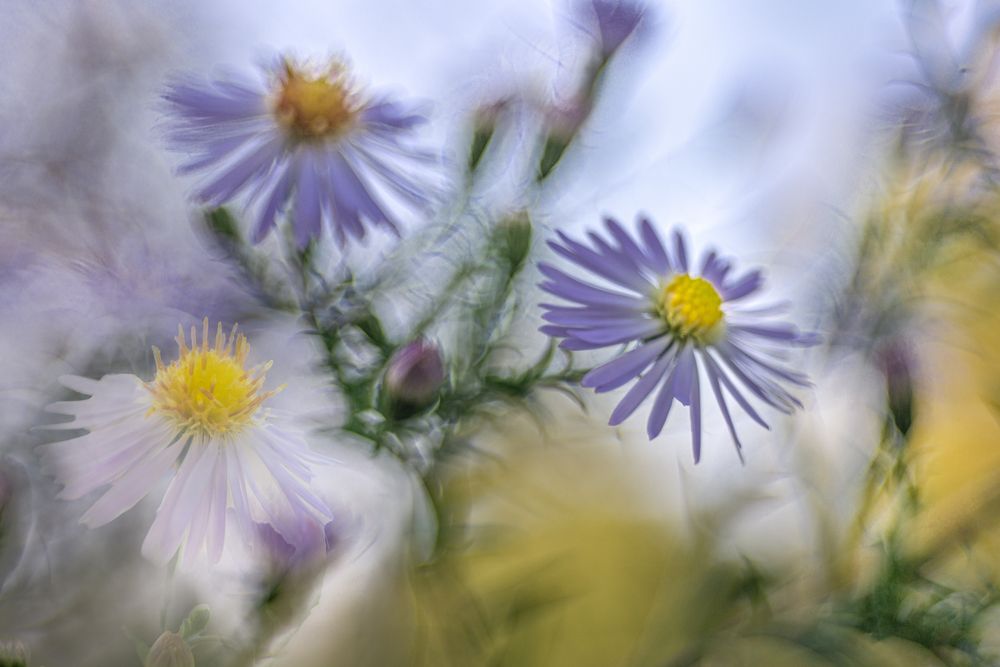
(691, 306)
(207, 390)
(315, 106)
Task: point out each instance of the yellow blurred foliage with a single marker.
(957, 446)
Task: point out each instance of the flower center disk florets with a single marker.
(314, 106)
(208, 390)
(691, 306)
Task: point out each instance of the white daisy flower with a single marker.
(200, 423)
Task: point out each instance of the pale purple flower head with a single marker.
(677, 319)
(302, 142)
(199, 424)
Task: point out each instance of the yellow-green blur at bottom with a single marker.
(570, 562)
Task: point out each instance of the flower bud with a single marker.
(413, 378)
(196, 621)
(896, 362)
(562, 124)
(483, 128)
(170, 650)
(13, 653)
(512, 239)
(616, 21)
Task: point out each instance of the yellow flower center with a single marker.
(691, 306)
(207, 390)
(313, 106)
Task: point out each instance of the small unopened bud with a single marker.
(896, 362)
(616, 21)
(484, 127)
(413, 378)
(13, 653)
(196, 621)
(170, 650)
(512, 239)
(562, 123)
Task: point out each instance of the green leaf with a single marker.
(221, 222)
(196, 621)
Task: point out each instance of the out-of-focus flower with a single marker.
(677, 321)
(616, 21)
(285, 587)
(17, 518)
(201, 414)
(5, 492)
(306, 141)
(953, 100)
(170, 650)
(284, 554)
(13, 654)
(413, 377)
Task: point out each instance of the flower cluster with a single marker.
(416, 344)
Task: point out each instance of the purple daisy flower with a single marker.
(302, 141)
(677, 325)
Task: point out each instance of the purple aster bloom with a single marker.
(678, 320)
(303, 142)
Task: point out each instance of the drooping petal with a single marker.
(664, 400)
(641, 389)
(694, 399)
(176, 510)
(308, 206)
(687, 371)
(735, 350)
(714, 370)
(255, 164)
(620, 370)
(131, 487)
(720, 399)
(274, 203)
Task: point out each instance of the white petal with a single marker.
(173, 517)
(131, 487)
